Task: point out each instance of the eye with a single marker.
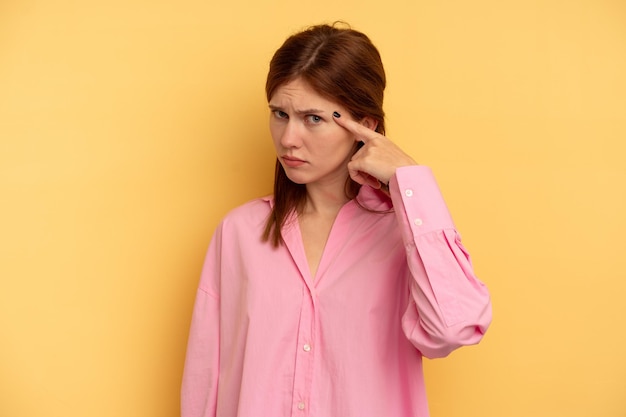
(279, 114)
(313, 119)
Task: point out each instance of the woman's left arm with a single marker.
(449, 306)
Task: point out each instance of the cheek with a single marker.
(338, 150)
(347, 144)
(340, 142)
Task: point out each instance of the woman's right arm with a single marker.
(199, 385)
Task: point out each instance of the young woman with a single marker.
(322, 299)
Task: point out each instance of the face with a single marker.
(310, 146)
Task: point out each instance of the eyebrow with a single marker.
(305, 111)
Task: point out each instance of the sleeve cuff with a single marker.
(414, 190)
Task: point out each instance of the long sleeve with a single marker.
(449, 306)
(200, 377)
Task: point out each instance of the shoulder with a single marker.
(252, 214)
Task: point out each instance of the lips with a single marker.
(291, 161)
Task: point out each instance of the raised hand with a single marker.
(377, 160)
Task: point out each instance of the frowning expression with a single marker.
(310, 146)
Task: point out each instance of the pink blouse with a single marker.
(268, 340)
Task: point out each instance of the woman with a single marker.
(322, 300)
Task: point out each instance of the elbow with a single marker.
(442, 343)
(438, 341)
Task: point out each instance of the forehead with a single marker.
(299, 92)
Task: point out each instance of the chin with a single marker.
(297, 180)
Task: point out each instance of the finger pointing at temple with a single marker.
(362, 132)
(378, 157)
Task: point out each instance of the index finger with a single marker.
(362, 133)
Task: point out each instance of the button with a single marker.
(418, 222)
(408, 192)
(301, 405)
(307, 347)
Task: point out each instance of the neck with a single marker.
(325, 199)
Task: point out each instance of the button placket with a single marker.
(304, 357)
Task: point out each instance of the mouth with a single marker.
(292, 161)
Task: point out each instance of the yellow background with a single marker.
(129, 128)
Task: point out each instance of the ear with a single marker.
(369, 122)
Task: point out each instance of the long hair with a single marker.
(340, 64)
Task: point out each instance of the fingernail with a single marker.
(337, 115)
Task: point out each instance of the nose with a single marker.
(291, 135)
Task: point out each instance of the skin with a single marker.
(320, 150)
